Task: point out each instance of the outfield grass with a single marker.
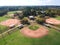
(16, 38)
(33, 27)
(58, 17)
(3, 18)
(7, 17)
(12, 12)
(3, 28)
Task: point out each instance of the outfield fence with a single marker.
(8, 32)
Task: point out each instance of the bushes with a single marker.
(3, 28)
(3, 12)
(40, 20)
(25, 21)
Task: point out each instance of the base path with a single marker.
(42, 31)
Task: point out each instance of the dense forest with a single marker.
(27, 9)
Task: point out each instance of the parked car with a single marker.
(46, 25)
(31, 17)
(12, 26)
(20, 26)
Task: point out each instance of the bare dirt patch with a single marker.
(10, 22)
(53, 21)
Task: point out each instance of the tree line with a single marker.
(32, 10)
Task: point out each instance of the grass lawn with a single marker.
(16, 38)
(3, 28)
(3, 18)
(33, 27)
(12, 12)
(58, 17)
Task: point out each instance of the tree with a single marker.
(25, 21)
(27, 12)
(33, 12)
(40, 20)
(3, 12)
(19, 15)
(50, 12)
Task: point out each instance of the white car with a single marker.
(20, 26)
(11, 26)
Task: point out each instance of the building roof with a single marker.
(42, 11)
(31, 16)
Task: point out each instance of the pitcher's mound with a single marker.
(42, 31)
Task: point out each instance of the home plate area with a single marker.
(42, 31)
